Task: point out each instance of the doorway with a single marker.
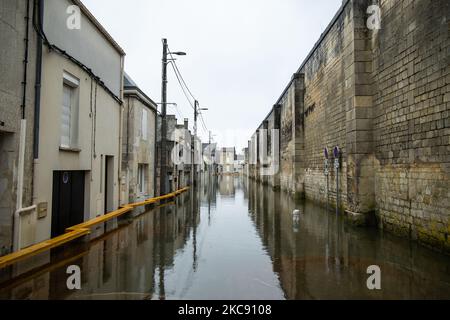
(109, 184)
(67, 200)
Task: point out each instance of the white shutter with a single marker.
(66, 113)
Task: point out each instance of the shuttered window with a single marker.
(69, 112)
(66, 115)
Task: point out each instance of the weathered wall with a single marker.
(84, 44)
(178, 142)
(269, 146)
(412, 119)
(137, 150)
(99, 123)
(12, 35)
(313, 115)
(289, 109)
(383, 97)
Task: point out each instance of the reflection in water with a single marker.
(235, 239)
(318, 256)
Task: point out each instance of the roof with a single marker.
(131, 88)
(128, 82)
(97, 24)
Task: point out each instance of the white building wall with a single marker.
(94, 141)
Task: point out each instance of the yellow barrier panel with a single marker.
(101, 219)
(42, 246)
(78, 231)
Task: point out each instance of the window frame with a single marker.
(142, 178)
(73, 83)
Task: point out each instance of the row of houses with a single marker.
(363, 124)
(229, 162)
(78, 137)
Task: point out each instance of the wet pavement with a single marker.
(234, 239)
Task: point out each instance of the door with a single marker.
(67, 200)
(109, 184)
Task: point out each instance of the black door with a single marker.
(68, 200)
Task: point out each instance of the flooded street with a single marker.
(235, 239)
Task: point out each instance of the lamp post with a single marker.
(163, 156)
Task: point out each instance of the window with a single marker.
(142, 178)
(144, 125)
(69, 112)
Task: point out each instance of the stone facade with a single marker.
(382, 97)
(138, 144)
(227, 157)
(13, 32)
(411, 102)
(178, 147)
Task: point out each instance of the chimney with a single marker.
(186, 123)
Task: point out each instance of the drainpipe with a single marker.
(119, 156)
(119, 159)
(22, 137)
(23, 121)
(155, 153)
(37, 93)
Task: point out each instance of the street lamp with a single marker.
(178, 53)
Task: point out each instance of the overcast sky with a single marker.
(240, 53)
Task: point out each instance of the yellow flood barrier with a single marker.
(42, 246)
(78, 231)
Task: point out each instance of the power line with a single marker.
(203, 123)
(184, 88)
(182, 79)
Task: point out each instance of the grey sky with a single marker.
(241, 53)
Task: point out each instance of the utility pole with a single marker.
(194, 167)
(195, 117)
(163, 163)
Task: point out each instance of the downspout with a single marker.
(22, 138)
(119, 160)
(23, 122)
(155, 150)
(128, 110)
(37, 93)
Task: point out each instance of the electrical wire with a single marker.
(182, 87)
(178, 70)
(186, 91)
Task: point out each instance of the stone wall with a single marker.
(137, 150)
(412, 120)
(12, 35)
(383, 97)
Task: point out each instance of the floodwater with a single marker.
(234, 239)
